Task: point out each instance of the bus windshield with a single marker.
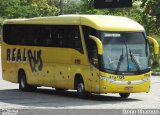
(125, 52)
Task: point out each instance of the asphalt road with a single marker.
(47, 98)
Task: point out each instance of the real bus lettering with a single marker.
(19, 55)
(15, 55)
(31, 61)
(24, 55)
(8, 55)
(39, 60)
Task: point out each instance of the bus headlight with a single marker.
(134, 82)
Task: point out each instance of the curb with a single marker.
(154, 73)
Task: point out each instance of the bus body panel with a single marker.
(124, 84)
(99, 22)
(58, 74)
(57, 67)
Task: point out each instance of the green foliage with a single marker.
(72, 7)
(146, 12)
(150, 16)
(26, 8)
(156, 60)
(1, 20)
(44, 7)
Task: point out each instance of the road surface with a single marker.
(47, 98)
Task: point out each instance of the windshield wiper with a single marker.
(134, 60)
(119, 61)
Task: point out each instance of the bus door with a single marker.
(92, 57)
(94, 77)
(93, 61)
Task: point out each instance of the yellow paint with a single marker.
(59, 68)
(98, 43)
(116, 88)
(99, 22)
(155, 45)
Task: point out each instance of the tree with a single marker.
(26, 8)
(152, 8)
(44, 7)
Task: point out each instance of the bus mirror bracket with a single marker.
(155, 45)
(98, 43)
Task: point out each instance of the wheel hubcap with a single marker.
(80, 88)
(22, 83)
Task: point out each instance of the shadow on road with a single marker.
(93, 97)
(52, 98)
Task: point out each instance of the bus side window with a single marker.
(29, 35)
(72, 38)
(14, 34)
(44, 35)
(91, 45)
(54, 36)
(60, 36)
(77, 40)
(66, 37)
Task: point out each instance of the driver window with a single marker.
(91, 45)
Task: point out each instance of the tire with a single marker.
(23, 85)
(60, 90)
(81, 90)
(124, 95)
(32, 88)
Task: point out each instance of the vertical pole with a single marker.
(61, 6)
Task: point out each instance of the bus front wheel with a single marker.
(81, 90)
(124, 95)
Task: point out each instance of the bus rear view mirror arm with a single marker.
(155, 45)
(98, 43)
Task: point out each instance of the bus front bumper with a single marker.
(107, 86)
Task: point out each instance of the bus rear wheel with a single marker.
(124, 95)
(23, 85)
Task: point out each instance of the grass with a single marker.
(158, 39)
(157, 68)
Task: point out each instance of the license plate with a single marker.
(128, 88)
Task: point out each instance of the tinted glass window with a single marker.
(43, 35)
(90, 44)
(125, 52)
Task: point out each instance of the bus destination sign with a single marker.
(100, 4)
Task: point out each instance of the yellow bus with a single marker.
(0, 33)
(88, 53)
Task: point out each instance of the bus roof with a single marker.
(99, 22)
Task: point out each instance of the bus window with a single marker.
(91, 45)
(43, 35)
(67, 37)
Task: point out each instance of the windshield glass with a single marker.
(125, 52)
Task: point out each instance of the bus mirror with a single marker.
(95, 62)
(155, 45)
(98, 43)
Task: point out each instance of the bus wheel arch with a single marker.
(77, 78)
(22, 80)
(80, 86)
